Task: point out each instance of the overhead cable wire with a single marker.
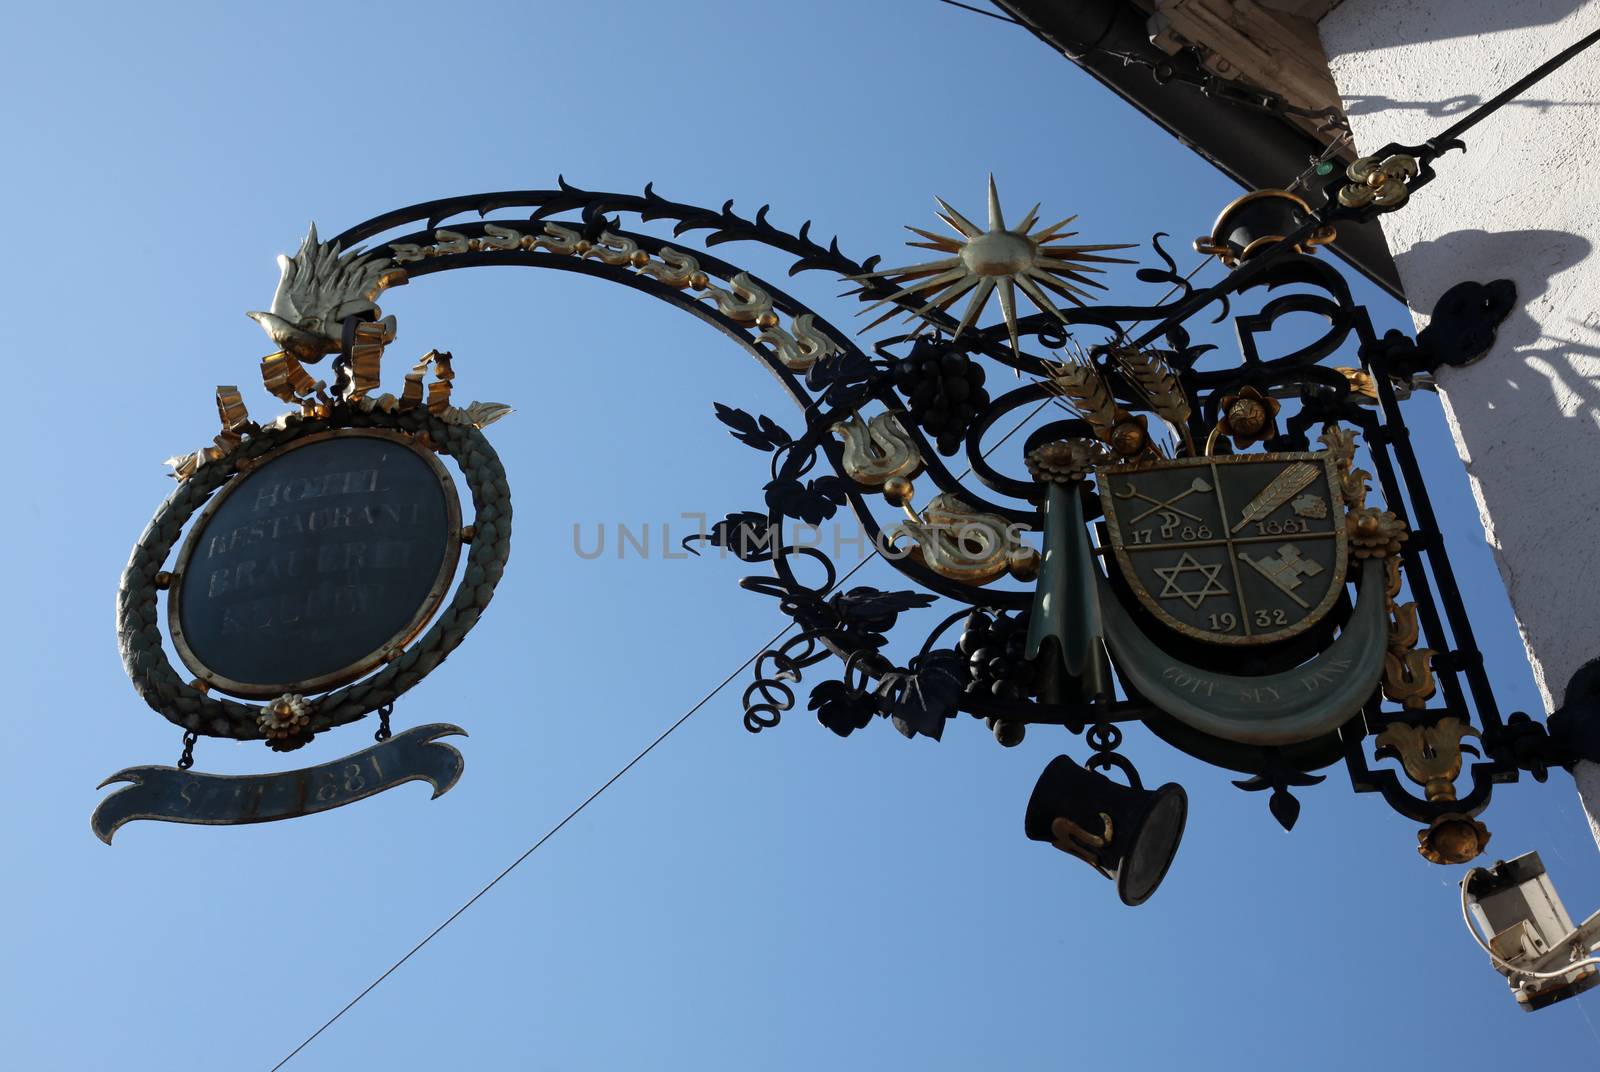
(607, 784)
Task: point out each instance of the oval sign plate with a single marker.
(308, 571)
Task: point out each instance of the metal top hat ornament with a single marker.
(1126, 832)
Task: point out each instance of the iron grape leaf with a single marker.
(834, 489)
(812, 502)
(762, 433)
(869, 606)
(773, 431)
(840, 708)
(848, 368)
(746, 534)
(847, 398)
(925, 696)
(842, 381)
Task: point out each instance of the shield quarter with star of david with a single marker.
(1241, 549)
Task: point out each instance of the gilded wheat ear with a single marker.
(1158, 383)
(1154, 379)
(1086, 391)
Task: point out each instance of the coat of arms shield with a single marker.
(1240, 549)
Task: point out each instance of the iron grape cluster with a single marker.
(944, 388)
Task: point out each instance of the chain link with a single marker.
(384, 732)
(186, 760)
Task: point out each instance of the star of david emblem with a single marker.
(1239, 549)
(1187, 563)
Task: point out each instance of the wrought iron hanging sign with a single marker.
(319, 548)
(1237, 550)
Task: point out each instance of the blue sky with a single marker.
(786, 901)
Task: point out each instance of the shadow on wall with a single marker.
(1532, 260)
(1471, 20)
(1450, 108)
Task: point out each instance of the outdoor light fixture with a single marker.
(1126, 832)
(1530, 938)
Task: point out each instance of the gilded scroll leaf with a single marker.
(500, 238)
(446, 243)
(674, 268)
(802, 349)
(878, 449)
(553, 237)
(615, 250)
(1431, 755)
(743, 302)
(556, 238)
(1376, 533)
(1407, 669)
(1341, 443)
(957, 541)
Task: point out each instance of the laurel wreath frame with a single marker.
(139, 634)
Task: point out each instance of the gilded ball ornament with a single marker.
(1130, 438)
(898, 491)
(1452, 839)
(1023, 563)
(699, 281)
(639, 258)
(767, 320)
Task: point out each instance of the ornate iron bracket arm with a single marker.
(1570, 734)
(1385, 180)
(1460, 331)
(882, 416)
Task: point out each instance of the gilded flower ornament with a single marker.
(1064, 461)
(283, 718)
(1248, 417)
(1375, 533)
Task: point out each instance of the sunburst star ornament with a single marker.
(998, 260)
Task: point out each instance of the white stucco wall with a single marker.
(1522, 203)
